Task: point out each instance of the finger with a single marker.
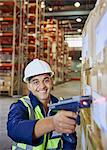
(66, 126)
(69, 121)
(68, 131)
(70, 114)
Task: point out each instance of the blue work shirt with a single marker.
(20, 128)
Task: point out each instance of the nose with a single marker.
(42, 85)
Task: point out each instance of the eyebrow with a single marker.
(34, 80)
(38, 79)
(46, 78)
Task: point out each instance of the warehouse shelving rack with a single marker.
(54, 50)
(34, 14)
(60, 55)
(25, 35)
(66, 62)
(49, 42)
(10, 46)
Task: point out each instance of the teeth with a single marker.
(42, 91)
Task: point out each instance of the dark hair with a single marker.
(29, 79)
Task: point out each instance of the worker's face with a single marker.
(41, 86)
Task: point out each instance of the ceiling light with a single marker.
(77, 4)
(78, 19)
(79, 30)
(50, 8)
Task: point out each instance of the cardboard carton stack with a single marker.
(94, 79)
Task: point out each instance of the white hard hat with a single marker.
(36, 67)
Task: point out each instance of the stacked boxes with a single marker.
(94, 70)
(5, 84)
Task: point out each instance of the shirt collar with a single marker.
(34, 100)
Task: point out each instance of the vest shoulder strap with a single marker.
(26, 101)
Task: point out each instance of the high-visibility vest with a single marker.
(48, 142)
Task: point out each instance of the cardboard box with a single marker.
(93, 141)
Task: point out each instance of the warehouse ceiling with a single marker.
(67, 14)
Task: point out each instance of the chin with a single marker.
(43, 97)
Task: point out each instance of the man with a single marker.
(28, 124)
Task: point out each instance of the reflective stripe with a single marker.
(13, 147)
(40, 147)
(18, 148)
(29, 147)
(21, 145)
(24, 100)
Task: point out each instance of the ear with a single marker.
(28, 86)
(52, 84)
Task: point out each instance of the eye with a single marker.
(47, 80)
(36, 82)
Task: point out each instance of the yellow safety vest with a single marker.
(52, 144)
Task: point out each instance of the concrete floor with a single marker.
(65, 90)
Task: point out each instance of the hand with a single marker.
(63, 122)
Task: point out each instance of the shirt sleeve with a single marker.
(19, 127)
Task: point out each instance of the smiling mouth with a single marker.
(42, 91)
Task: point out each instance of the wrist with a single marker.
(52, 123)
